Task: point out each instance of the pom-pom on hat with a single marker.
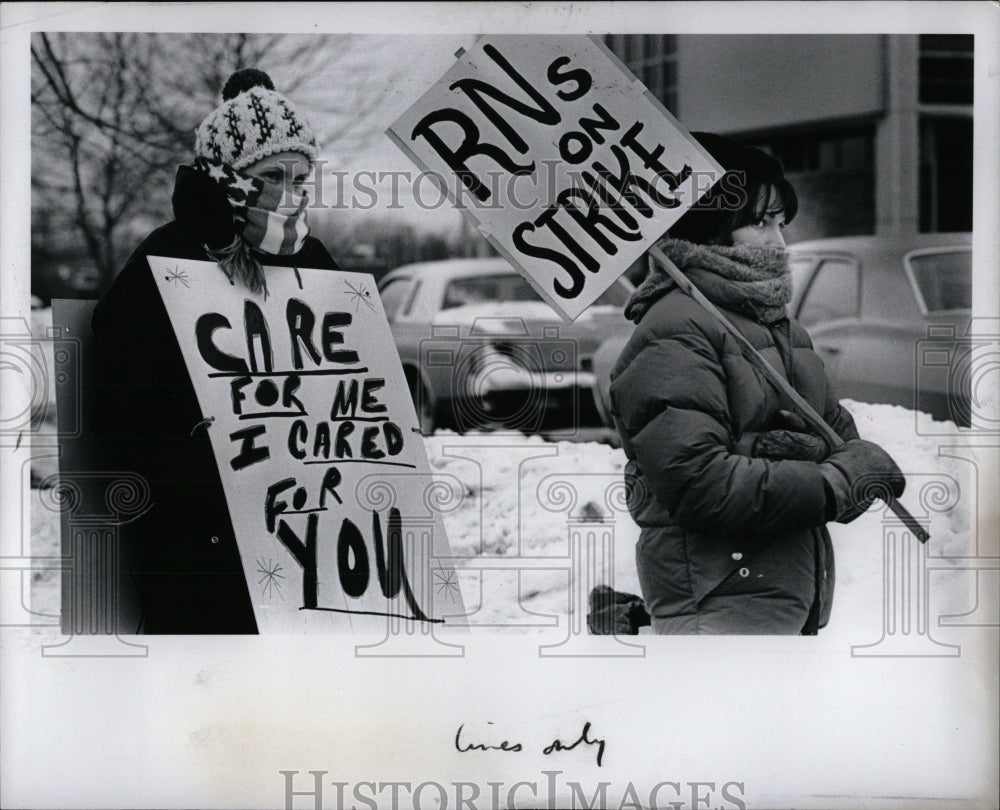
(253, 121)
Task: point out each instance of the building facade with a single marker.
(874, 131)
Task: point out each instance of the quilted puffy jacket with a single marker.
(714, 520)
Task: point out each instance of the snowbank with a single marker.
(515, 506)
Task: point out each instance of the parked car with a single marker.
(480, 348)
(888, 315)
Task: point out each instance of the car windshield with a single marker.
(944, 280)
(512, 287)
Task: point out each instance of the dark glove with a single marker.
(615, 613)
(861, 472)
(789, 444)
(202, 208)
(790, 437)
(789, 420)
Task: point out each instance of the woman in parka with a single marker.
(730, 489)
(239, 206)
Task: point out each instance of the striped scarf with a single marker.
(260, 224)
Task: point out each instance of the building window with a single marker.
(653, 59)
(946, 68)
(945, 173)
(833, 173)
(840, 150)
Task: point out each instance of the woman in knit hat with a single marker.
(731, 489)
(239, 205)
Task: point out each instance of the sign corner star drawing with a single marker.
(559, 156)
(316, 439)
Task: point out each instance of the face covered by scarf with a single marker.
(753, 280)
(267, 221)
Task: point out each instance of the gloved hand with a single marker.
(202, 208)
(789, 420)
(855, 473)
(789, 444)
(789, 438)
(615, 613)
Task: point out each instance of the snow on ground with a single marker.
(522, 496)
(513, 510)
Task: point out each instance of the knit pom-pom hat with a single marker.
(252, 122)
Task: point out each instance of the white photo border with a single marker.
(214, 722)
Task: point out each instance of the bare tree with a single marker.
(113, 114)
(95, 148)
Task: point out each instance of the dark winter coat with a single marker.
(181, 554)
(728, 543)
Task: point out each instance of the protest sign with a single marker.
(316, 439)
(561, 157)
